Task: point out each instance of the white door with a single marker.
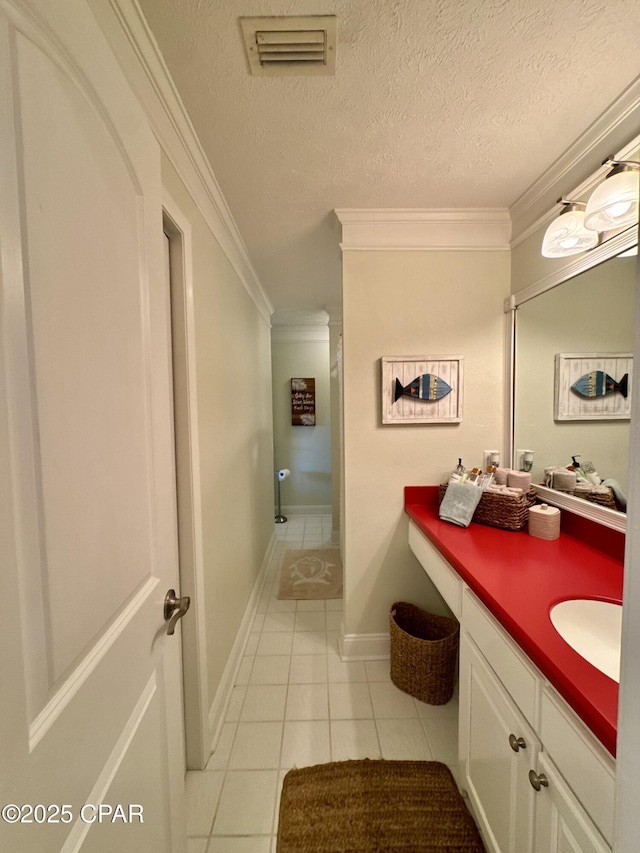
(498, 749)
(561, 824)
(91, 739)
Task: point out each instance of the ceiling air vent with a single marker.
(281, 46)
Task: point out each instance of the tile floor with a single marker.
(295, 703)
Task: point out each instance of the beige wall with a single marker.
(527, 264)
(234, 419)
(305, 450)
(411, 303)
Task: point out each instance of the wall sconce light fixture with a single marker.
(613, 206)
(614, 203)
(567, 234)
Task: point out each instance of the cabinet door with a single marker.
(497, 750)
(561, 824)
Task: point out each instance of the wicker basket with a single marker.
(424, 650)
(509, 512)
(605, 499)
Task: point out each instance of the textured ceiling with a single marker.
(434, 103)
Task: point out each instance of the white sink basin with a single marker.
(593, 629)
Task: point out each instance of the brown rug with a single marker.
(370, 806)
(311, 574)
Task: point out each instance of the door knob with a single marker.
(174, 609)
(538, 781)
(517, 743)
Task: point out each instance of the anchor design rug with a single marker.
(311, 574)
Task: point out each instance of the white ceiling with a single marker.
(434, 104)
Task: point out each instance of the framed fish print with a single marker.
(592, 386)
(423, 389)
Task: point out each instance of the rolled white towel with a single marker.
(519, 480)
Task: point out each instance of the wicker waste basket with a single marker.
(424, 650)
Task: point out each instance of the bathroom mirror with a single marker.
(589, 310)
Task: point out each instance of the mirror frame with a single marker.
(608, 249)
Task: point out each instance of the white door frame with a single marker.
(197, 701)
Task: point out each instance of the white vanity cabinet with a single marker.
(446, 580)
(509, 717)
(561, 824)
(497, 748)
(537, 779)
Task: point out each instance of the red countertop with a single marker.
(519, 578)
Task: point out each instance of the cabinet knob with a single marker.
(517, 743)
(538, 780)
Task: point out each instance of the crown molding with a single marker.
(300, 334)
(137, 52)
(299, 317)
(579, 168)
(473, 229)
(297, 325)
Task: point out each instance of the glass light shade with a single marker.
(614, 203)
(567, 235)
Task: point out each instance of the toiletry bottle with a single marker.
(580, 475)
(591, 473)
(488, 477)
(474, 476)
(458, 473)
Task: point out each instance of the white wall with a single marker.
(411, 303)
(302, 352)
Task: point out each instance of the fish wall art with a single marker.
(425, 387)
(597, 383)
(593, 386)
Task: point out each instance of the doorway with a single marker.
(177, 264)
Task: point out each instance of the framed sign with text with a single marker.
(303, 402)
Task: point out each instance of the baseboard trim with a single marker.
(222, 698)
(354, 647)
(307, 509)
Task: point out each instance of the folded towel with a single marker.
(519, 480)
(563, 480)
(459, 503)
(504, 490)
